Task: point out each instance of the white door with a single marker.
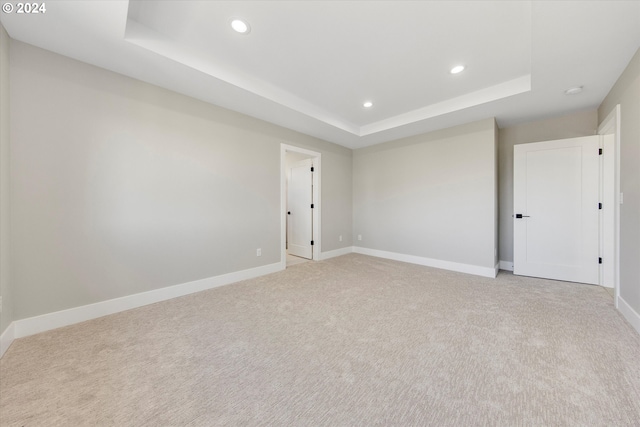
(556, 211)
(299, 210)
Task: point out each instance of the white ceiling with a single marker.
(309, 65)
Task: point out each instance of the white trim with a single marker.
(336, 253)
(506, 265)
(629, 313)
(502, 90)
(429, 262)
(611, 124)
(45, 322)
(317, 217)
(7, 338)
(149, 39)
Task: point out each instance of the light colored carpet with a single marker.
(295, 260)
(351, 341)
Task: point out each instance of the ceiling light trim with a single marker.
(574, 90)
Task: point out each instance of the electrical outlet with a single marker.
(340, 238)
(258, 252)
(359, 236)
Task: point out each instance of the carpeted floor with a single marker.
(294, 260)
(351, 341)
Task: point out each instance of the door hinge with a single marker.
(599, 205)
(312, 166)
(599, 260)
(312, 243)
(600, 151)
(311, 205)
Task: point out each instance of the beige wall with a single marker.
(431, 196)
(5, 290)
(121, 187)
(626, 92)
(568, 126)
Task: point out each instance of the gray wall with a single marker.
(5, 289)
(431, 196)
(568, 126)
(120, 187)
(336, 188)
(626, 92)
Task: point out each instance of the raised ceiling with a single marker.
(310, 65)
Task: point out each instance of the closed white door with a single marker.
(556, 209)
(299, 209)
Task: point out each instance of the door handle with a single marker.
(289, 213)
(522, 216)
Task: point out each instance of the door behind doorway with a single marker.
(300, 209)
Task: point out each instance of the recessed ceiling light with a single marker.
(573, 90)
(457, 69)
(240, 26)
(367, 104)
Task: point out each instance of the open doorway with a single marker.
(300, 207)
(610, 193)
(565, 226)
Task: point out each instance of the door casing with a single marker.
(317, 225)
(611, 126)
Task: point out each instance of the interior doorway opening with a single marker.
(609, 200)
(610, 190)
(300, 205)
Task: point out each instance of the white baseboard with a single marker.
(629, 313)
(45, 322)
(7, 338)
(429, 262)
(336, 252)
(506, 265)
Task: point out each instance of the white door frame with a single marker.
(316, 158)
(611, 125)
